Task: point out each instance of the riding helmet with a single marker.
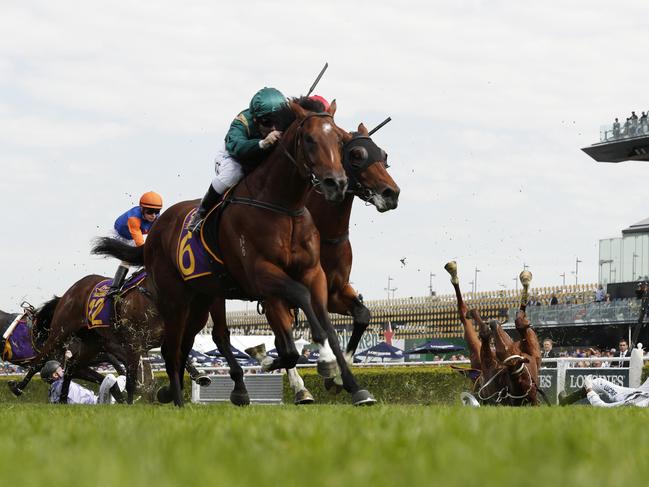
(48, 369)
(151, 199)
(266, 102)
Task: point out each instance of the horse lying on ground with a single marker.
(134, 329)
(510, 376)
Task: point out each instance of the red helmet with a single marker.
(151, 199)
(321, 100)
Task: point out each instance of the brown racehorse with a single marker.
(269, 245)
(511, 374)
(365, 164)
(136, 329)
(41, 330)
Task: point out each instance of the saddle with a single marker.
(100, 309)
(198, 253)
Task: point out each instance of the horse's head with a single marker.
(522, 387)
(317, 149)
(366, 167)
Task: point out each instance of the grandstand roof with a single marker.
(641, 227)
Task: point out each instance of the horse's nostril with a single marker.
(329, 182)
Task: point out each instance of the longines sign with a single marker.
(574, 379)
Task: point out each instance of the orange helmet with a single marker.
(151, 199)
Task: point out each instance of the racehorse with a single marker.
(38, 333)
(366, 168)
(269, 246)
(509, 376)
(135, 330)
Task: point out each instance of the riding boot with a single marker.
(573, 397)
(208, 202)
(118, 280)
(116, 392)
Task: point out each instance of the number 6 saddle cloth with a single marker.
(198, 253)
(100, 310)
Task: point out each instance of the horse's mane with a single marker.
(285, 115)
(43, 318)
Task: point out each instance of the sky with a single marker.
(490, 101)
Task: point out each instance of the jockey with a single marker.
(252, 135)
(616, 395)
(132, 226)
(52, 373)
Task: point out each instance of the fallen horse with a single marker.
(508, 374)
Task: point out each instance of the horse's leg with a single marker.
(273, 281)
(316, 281)
(487, 357)
(346, 301)
(302, 394)
(529, 341)
(174, 318)
(502, 341)
(470, 335)
(201, 378)
(112, 360)
(18, 387)
(221, 337)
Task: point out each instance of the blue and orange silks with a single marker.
(132, 225)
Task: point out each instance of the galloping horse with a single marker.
(510, 376)
(269, 245)
(135, 330)
(365, 165)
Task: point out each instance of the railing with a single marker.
(613, 132)
(622, 311)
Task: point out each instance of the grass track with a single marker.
(329, 445)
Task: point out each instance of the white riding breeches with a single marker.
(104, 389)
(228, 171)
(617, 395)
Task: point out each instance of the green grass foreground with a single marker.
(328, 445)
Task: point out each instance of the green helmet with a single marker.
(48, 369)
(266, 102)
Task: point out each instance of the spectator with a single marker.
(554, 301)
(599, 294)
(624, 352)
(627, 128)
(547, 352)
(304, 357)
(616, 129)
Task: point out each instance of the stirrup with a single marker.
(195, 226)
(113, 292)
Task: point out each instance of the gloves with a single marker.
(270, 139)
(588, 382)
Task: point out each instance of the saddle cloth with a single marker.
(19, 346)
(198, 253)
(100, 310)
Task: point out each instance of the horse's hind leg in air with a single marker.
(529, 343)
(502, 341)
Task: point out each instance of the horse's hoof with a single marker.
(332, 387)
(164, 395)
(328, 370)
(258, 352)
(203, 380)
(304, 397)
(240, 398)
(13, 386)
(362, 398)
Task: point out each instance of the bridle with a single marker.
(504, 393)
(375, 155)
(305, 167)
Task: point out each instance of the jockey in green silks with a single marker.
(252, 135)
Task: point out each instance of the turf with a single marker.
(327, 445)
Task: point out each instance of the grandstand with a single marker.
(422, 317)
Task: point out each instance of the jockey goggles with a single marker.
(151, 211)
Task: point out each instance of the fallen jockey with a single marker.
(615, 395)
(53, 373)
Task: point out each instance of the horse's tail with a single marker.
(119, 250)
(45, 313)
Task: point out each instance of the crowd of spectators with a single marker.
(633, 126)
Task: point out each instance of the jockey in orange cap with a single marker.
(132, 226)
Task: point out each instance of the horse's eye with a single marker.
(358, 155)
(308, 139)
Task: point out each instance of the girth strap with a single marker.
(266, 206)
(335, 241)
